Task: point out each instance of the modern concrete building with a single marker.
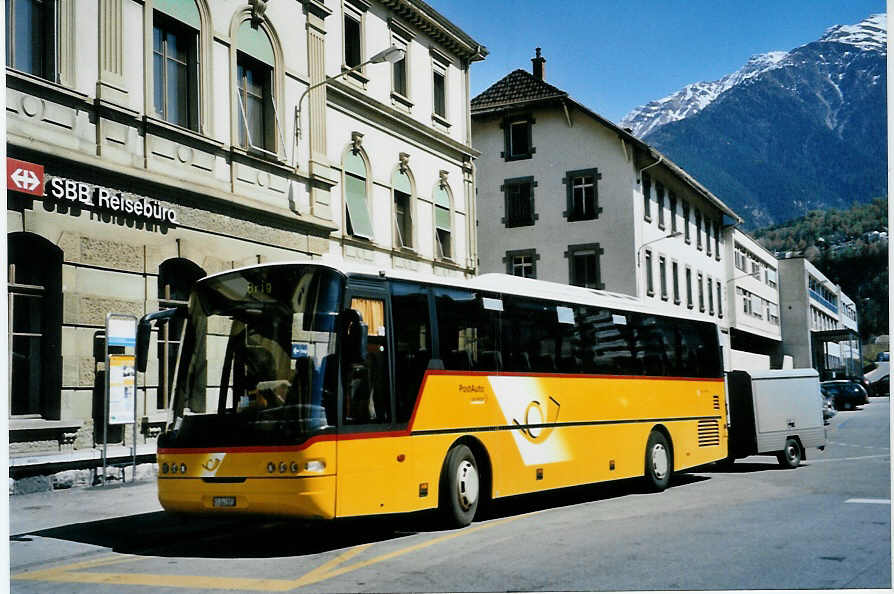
(565, 195)
(156, 141)
(819, 326)
(752, 288)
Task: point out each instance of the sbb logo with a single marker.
(25, 177)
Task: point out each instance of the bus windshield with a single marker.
(257, 364)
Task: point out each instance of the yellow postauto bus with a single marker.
(319, 391)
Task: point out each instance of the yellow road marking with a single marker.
(72, 574)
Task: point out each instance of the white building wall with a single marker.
(760, 286)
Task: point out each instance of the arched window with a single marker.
(402, 188)
(358, 221)
(443, 222)
(176, 43)
(35, 326)
(255, 98)
(175, 280)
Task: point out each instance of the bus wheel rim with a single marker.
(466, 484)
(659, 461)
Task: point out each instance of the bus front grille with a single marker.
(708, 433)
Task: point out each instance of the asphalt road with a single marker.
(825, 525)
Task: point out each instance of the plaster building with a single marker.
(565, 195)
(819, 322)
(153, 142)
(752, 290)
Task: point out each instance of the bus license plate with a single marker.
(224, 502)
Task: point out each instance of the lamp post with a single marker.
(640, 250)
(392, 54)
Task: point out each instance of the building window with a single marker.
(686, 222)
(708, 237)
(647, 197)
(439, 89)
(518, 137)
(650, 288)
(582, 194)
(662, 276)
(698, 229)
(741, 259)
(519, 201)
(583, 265)
(443, 227)
(176, 278)
(35, 325)
(689, 294)
(358, 221)
(710, 296)
(521, 263)
(175, 71)
(254, 86)
(719, 300)
(756, 269)
(659, 199)
(676, 281)
(403, 210)
(717, 241)
(399, 80)
(353, 48)
(672, 203)
(701, 292)
(31, 37)
(771, 277)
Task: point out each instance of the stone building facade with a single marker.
(171, 139)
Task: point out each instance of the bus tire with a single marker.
(790, 456)
(659, 462)
(460, 487)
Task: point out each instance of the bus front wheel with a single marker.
(460, 486)
(659, 462)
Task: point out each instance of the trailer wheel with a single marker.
(790, 456)
(460, 487)
(659, 462)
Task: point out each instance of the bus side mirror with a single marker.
(144, 331)
(355, 335)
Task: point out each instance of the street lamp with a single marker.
(392, 54)
(640, 250)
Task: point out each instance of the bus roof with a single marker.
(495, 282)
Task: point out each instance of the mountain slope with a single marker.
(789, 133)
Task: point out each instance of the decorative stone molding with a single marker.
(404, 161)
(258, 8)
(442, 178)
(356, 141)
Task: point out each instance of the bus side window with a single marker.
(412, 344)
(468, 333)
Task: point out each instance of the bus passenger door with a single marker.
(373, 466)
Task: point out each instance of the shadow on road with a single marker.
(166, 535)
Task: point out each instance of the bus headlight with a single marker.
(293, 467)
(271, 467)
(165, 468)
(182, 468)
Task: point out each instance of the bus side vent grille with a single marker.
(716, 402)
(708, 433)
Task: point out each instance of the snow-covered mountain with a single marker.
(868, 35)
(789, 131)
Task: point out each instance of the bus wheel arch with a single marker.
(465, 460)
(659, 458)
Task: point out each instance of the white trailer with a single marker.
(777, 411)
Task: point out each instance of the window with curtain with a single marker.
(443, 226)
(254, 102)
(403, 215)
(175, 62)
(358, 221)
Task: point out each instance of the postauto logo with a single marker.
(24, 177)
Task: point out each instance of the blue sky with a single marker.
(615, 55)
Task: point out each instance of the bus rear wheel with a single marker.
(659, 462)
(460, 486)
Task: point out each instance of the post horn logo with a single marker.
(538, 418)
(212, 464)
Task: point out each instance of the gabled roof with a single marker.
(520, 89)
(517, 87)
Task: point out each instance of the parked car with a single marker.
(867, 385)
(880, 387)
(845, 394)
(828, 407)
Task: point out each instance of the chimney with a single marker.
(538, 63)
